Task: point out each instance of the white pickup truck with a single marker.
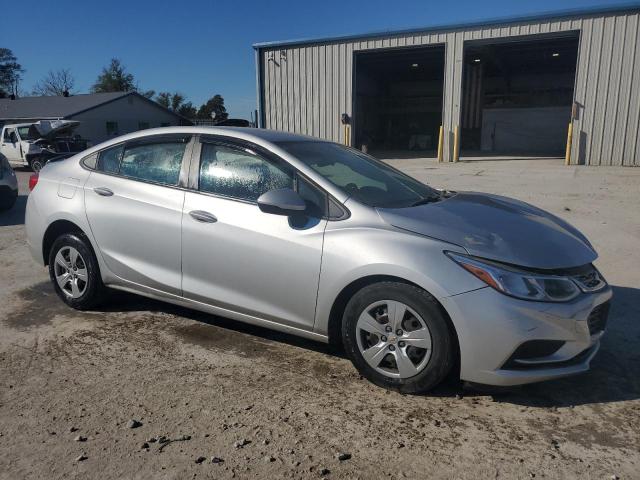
(33, 144)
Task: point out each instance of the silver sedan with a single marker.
(319, 240)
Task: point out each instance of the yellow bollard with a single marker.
(456, 143)
(440, 138)
(567, 155)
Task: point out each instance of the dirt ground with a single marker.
(274, 406)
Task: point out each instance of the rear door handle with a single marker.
(202, 216)
(105, 192)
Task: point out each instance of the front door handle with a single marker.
(202, 216)
(105, 192)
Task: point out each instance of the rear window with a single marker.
(151, 161)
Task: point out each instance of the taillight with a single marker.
(33, 181)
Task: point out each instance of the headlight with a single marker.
(519, 283)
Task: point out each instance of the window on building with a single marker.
(239, 174)
(112, 128)
(143, 125)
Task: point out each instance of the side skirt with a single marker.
(222, 312)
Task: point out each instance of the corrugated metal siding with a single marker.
(307, 87)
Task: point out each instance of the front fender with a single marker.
(351, 254)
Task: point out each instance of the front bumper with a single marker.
(491, 326)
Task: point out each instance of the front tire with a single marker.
(74, 272)
(397, 337)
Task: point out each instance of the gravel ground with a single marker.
(216, 399)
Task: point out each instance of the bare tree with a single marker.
(55, 83)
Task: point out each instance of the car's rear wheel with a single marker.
(8, 201)
(36, 164)
(397, 337)
(74, 272)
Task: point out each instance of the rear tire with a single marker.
(7, 203)
(74, 272)
(402, 332)
(36, 164)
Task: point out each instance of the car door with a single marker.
(236, 257)
(134, 200)
(11, 146)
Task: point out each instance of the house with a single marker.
(101, 115)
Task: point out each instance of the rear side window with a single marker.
(158, 163)
(236, 173)
(109, 160)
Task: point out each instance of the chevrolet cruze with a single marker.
(319, 240)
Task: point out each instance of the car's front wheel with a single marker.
(74, 272)
(397, 337)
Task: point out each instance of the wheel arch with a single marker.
(54, 230)
(339, 304)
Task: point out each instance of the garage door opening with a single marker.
(517, 97)
(398, 101)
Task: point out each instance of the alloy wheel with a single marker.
(70, 271)
(393, 339)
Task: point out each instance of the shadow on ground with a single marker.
(613, 376)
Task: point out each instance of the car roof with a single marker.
(256, 134)
(268, 139)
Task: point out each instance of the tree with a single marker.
(164, 99)
(10, 73)
(213, 109)
(55, 83)
(187, 110)
(176, 103)
(114, 78)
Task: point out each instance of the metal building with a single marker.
(558, 84)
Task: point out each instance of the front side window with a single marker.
(316, 199)
(360, 176)
(143, 125)
(157, 162)
(236, 173)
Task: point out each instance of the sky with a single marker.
(203, 48)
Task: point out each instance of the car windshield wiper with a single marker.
(425, 200)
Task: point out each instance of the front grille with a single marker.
(597, 320)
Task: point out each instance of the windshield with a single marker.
(368, 180)
(23, 132)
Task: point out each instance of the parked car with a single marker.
(33, 144)
(319, 240)
(8, 185)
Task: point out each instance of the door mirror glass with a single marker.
(13, 137)
(283, 201)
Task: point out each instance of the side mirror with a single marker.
(282, 202)
(13, 137)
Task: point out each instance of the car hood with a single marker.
(49, 129)
(497, 228)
